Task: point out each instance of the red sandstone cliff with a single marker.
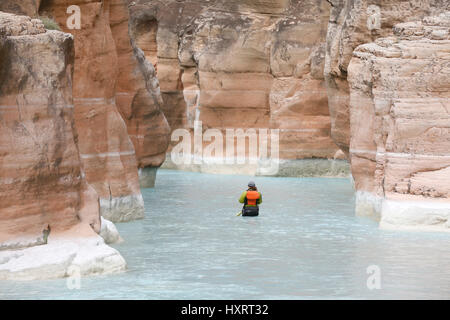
(71, 147)
(42, 181)
(352, 23)
(44, 196)
(399, 120)
(243, 64)
(138, 98)
(106, 151)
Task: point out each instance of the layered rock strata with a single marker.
(400, 122)
(251, 64)
(352, 23)
(45, 200)
(138, 97)
(106, 150)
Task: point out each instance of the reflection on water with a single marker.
(306, 244)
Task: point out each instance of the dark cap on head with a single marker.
(251, 184)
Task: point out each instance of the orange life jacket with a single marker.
(252, 197)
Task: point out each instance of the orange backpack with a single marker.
(252, 197)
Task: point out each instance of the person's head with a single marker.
(251, 185)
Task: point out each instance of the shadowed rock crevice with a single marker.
(138, 94)
(145, 38)
(160, 49)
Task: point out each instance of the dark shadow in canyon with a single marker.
(167, 67)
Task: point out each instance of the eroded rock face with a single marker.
(136, 89)
(138, 97)
(49, 215)
(352, 23)
(42, 181)
(119, 103)
(107, 79)
(242, 64)
(400, 139)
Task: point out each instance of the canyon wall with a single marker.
(400, 125)
(116, 101)
(106, 150)
(138, 98)
(352, 23)
(69, 140)
(244, 64)
(45, 202)
(86, 115)
(111, 73)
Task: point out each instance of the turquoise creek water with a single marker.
(306, 244)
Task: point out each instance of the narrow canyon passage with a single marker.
(306, 244)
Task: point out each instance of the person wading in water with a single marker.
(251, 199)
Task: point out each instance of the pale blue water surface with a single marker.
(306, 244)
